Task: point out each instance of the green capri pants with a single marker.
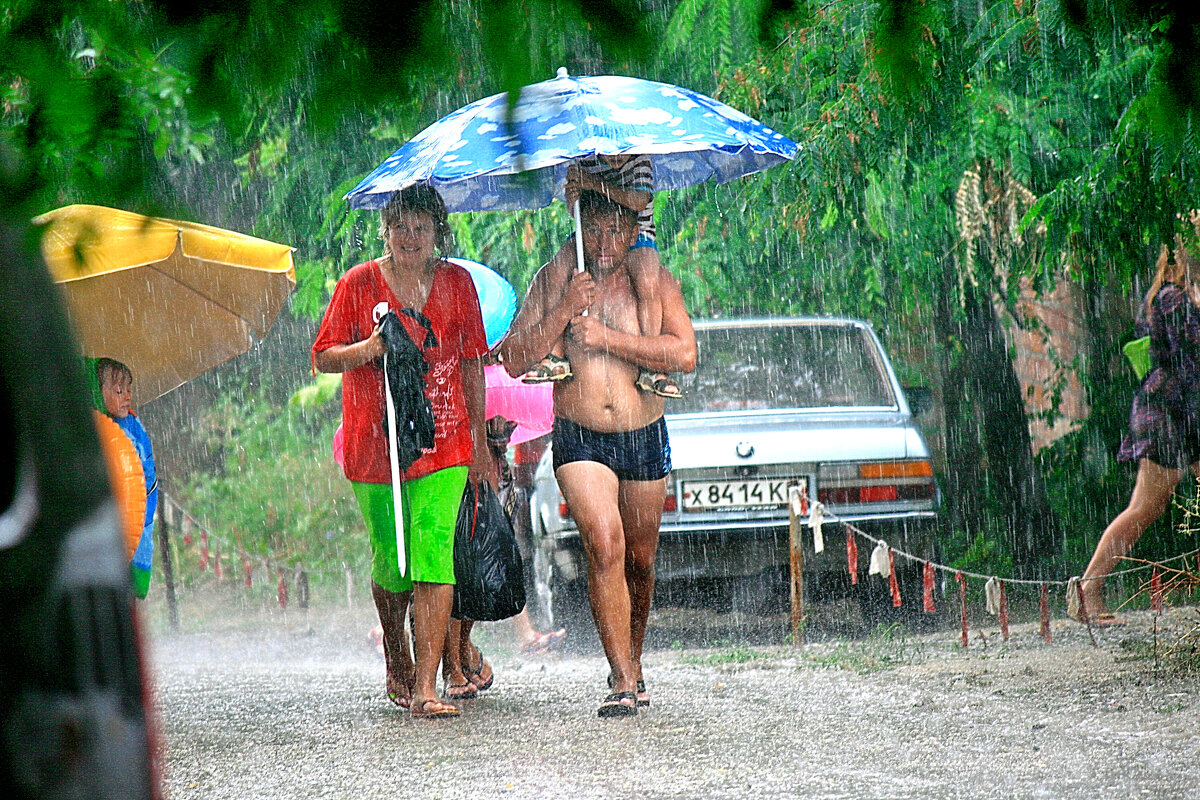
(430, 507)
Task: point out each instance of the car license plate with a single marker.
(705, 495)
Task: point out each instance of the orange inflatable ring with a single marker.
(126, 477)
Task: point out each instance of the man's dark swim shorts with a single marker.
(641, 455)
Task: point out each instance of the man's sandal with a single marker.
(643, 697)
(658, 383)
(619, 704)
(551, 368)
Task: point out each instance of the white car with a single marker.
(773, 403)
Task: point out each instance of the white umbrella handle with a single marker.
(578, 243)
(401, 556)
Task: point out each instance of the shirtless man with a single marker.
(611, 454)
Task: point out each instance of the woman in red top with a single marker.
(411, 275)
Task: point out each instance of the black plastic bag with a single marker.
(488, 573)
(406, 366)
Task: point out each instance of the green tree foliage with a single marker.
(246, 117)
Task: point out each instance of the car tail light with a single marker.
(876, 482)
(563, 510)
(670, 503)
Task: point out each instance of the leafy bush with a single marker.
(278, 494)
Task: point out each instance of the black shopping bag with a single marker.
(488, 574)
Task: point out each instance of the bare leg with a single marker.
(591, 490)
(640, 504)
(392, 608)
(1150, 495)
(432, 603)
(475, 666)
(523, 627)
(455, 685)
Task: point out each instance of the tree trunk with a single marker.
(994, 485)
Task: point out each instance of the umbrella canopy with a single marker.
(531, 406)
(169, 299)
(497, 299)
(486, 157)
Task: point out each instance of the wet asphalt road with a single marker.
(293, 707)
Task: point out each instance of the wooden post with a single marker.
(795, 515)
(164, 549)
(302, 587)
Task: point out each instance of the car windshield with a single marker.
(783, 366)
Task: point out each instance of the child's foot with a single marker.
(550, 368)
(658, 383)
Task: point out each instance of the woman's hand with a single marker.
(483, 466)
(373, 346)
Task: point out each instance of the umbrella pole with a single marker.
(397, 508)
(578, 243)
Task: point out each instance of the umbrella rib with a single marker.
(194, 290)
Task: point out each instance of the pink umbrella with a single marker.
(531, 406)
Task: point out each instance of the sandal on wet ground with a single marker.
(480, 685)
(440, 710)
(658, 383)
(461, 691)
(550, 368)
(619, 704)
(643, 697)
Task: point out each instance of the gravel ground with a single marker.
(262, 704)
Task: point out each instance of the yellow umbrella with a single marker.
(169, 299)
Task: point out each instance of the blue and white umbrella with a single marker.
(488, 157)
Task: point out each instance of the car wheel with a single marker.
(559, 602)
(764, 593)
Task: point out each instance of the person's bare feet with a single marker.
(399, 690)
(1098, 613)
(433, 708)
(477, 670)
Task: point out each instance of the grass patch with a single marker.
(728, 654)
(886, 648)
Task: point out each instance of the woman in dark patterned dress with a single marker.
(1164, 423)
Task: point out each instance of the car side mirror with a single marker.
(920, 399)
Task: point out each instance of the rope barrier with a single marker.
(832, 517)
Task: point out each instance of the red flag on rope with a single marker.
(927, 590)
(852, 555)
(893, 584)
(218, 571)
(248, 568)
(1003, 612)
(203, 551)
(1156, 592)
(282, 592)
(962, 602)
(187, 531)
(1044, 614)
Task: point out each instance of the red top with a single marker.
(360, 299)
